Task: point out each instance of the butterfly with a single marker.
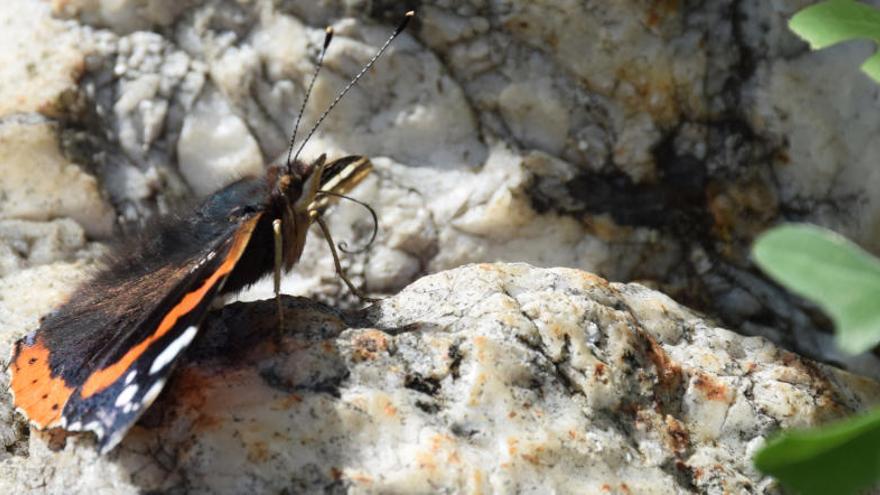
(100, 359)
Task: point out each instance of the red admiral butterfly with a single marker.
(99, 360)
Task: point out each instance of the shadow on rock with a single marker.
(249, 408)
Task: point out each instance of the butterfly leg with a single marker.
(279, 259)
(338, 265)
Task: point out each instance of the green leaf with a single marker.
(834, 273)
(834, 21)
(872, 67)
(841, 458)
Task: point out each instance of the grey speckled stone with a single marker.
(489, 378)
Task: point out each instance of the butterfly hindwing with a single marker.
(125, 357)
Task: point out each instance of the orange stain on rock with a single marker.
(512, 446)
(361, 478)
(678, 437)
(258, 452)
(437, 443)
(426, 461)
(368, 345)
(711, 388)
(191, 389)
(478, 481)
(290, 401)
(480, 345)
(659, 10)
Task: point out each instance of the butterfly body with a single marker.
(99, 360)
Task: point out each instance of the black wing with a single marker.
(97, 362)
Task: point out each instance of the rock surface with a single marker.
(644, 141)
(641, 141)
(493, 378)
(41, 60)
(40, 184)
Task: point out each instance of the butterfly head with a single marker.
(303, 191)
(311, 187)
(301, 185)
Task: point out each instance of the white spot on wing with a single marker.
(130, 377)
(169, 353)
(202, 261)
(114, 439)
(152, 393)
(95, 427)
(126, 395)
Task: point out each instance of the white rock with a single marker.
(40, 61)
(124, 15)
(47, 286)
(829, 132)
(215, 147)
(39, 183)
(535, 114)
(389, 269)
(40, 243)
(489, 378)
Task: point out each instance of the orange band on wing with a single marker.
(102, 379)
(36, 392)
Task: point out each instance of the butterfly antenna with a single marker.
(327, 37)
(406, 18)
